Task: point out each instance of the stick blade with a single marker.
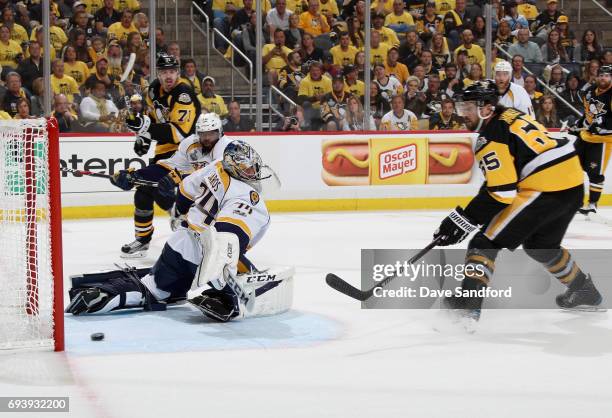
(341, 286)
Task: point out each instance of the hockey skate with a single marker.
(588, 209)
(135, 249)
(581, 297)
(462, 312)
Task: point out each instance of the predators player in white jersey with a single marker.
(511, 94)
(195, 151)
(224, 216)
(532, 188)
(398, 118)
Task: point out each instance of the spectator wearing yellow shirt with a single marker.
(378, 49)
(312, 90)
(393, 67)
(211, 102)
(191, 75)
(62, 83)
(10, 51)
(399, 20)
(387, 35)
(474, 52)
(297, 6)
(530, 11)
(57, 35)
(121, 5)
(119, 31)
(382, 6)
(93, 5)
(329, 9)
(275, 56)
(74, 68)
(312, 21)
(344, 52)
(314, 86)
(352, 84)
(444, 6)
(18, 32)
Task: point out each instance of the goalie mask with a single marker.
(209, 129)
(242, 162)
(471, 102)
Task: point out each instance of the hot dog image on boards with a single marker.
(397, 161)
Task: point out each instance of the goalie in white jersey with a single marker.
(223, 216)
(195, 151)
(511, 95)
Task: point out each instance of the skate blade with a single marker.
(139, 254)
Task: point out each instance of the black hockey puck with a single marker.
(97, 336)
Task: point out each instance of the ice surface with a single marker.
(326, 357)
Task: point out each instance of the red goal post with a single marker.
(31, 276)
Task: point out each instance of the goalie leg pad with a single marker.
(220, 250)
(119, 289)
(273, 290)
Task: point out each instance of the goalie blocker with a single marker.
(224, 216)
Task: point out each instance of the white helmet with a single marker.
(209, 122)
(503, 66)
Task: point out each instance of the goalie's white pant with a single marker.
(175, 271)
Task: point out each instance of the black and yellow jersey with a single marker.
(173, 116)
(516, 154)
(597, 115)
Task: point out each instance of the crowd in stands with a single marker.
(422, 53)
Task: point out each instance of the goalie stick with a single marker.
(342, 286)
(139, 182)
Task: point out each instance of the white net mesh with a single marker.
(26, 280)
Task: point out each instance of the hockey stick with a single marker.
(342, 286)
(139, 182)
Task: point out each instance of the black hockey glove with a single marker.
(138, 123)
(454, 228)
(142, 145)
(124, 179)
(166, 186)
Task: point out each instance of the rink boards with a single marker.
(319, 171)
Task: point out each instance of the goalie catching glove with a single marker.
(454, 228)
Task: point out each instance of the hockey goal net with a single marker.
(31, 281)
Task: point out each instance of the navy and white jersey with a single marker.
(517, 97)
(220, 198)
(190, 156)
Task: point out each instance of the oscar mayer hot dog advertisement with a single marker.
(396, 161)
